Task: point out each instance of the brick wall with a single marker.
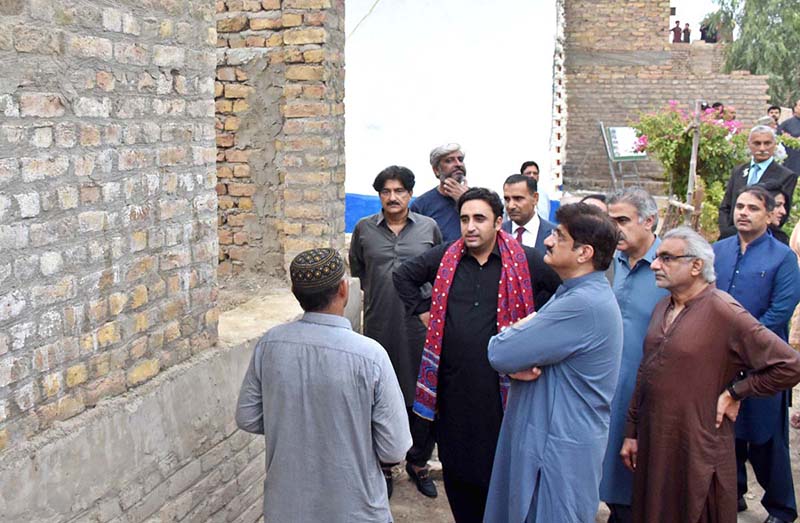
(280, 131)
(618, 63)
(107, 206)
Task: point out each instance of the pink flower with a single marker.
(641, 143)
(673, 103)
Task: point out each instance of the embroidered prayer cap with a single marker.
(316, 269)
(443, 150)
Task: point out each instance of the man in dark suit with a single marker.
(762, 169)
(521, 196)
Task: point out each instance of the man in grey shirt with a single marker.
(328, 404)
(380, 244)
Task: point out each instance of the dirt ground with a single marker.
(409, 506)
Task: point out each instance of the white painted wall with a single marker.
(421, 73)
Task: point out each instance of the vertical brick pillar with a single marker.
(280, 131)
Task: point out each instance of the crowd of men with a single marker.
(555, 364)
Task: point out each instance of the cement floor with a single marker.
(409, 506)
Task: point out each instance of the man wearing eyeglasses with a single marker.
(381, 243)
(679, 434)
(761, 273)
(447, 162)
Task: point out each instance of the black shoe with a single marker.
(387, 475)
(741, 505)
(773, 519)
(423, 481)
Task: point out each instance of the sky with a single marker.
(421, 73)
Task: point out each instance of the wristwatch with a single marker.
(732, 391)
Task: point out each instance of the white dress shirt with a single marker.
(531, 231)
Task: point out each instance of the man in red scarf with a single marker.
(482, 282)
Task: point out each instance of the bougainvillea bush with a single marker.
(666, 135)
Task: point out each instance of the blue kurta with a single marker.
(766, 281)
(549, 455)
(637, 296)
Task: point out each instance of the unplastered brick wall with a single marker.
(618, 63)
(280, 131)
(108, 244)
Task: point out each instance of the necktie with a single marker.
(520, 231)
(753, 176)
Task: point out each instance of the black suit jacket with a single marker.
(775, 178)
(544, 231)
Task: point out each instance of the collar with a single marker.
(649, 256)
(380, 218)
(757, 241)
(531, 225)
(762, 166)
(711, 287)
(495, 251)
(574, 282)
(331, 320)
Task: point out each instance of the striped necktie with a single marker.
(520, 232)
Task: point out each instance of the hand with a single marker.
(629, 453)
(727, 407)
(527, 375)
(425, 318)
(453, 188)
(523, 321)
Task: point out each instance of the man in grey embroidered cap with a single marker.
(328, 403)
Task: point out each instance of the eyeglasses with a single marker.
(669, 258)
(388, 192)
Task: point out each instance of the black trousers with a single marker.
(467, 500)
(423, 437)
(620, 513)
(771, 464)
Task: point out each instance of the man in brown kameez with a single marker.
(679, 435)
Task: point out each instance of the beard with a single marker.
(458, 175)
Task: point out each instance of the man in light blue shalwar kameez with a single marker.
(564, 362)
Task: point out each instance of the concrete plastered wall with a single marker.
(617, 63)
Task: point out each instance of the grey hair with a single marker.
(758, 129)
(645, 205)
(443, 150)
(696, 246)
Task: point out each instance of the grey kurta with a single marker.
(375, 252)
(328, 404)
(549, 456)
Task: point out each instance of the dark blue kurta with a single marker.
(765, 280)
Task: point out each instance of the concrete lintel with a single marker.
(576, 58)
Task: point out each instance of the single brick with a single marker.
(41, 105)
(76, 375)
(305, 36)
(143, 371)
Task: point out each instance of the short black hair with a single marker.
(596, 196)
(487, 195)
(316, 300)
(717, 105)
(533, 187)
(588, 225)
(771, 107)
(527, 164)
(394, 172)
(760, 192)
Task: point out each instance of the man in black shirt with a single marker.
(468, 406)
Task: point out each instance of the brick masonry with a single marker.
(108, 242)
(618, 62)
(280, 131)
